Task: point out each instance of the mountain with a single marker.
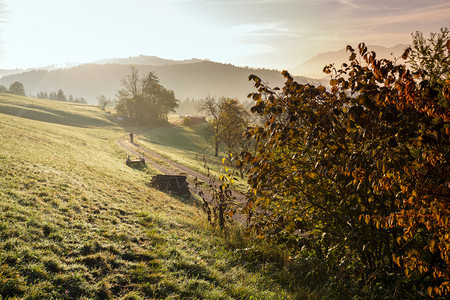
(145, 60)
(192, 79)
(314, 66)
(6, 72)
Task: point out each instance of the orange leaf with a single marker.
(430, 291)
(432, 243)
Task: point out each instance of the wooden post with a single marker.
(131, 137)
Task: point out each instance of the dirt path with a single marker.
(168, 167)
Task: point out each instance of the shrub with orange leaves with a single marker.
(359, 172)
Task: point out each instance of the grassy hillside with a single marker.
(187, 145)
(76, 222)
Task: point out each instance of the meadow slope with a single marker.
(77, 223)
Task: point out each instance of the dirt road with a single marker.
(168, 167)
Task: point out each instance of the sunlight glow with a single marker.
(254, 33)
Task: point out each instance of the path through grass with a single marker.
(190, 146)
(77, 223)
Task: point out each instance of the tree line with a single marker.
(15, 88)
(60, 96)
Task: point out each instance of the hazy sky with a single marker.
(274, 34)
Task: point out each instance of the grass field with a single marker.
(190, 146)
(77, 223)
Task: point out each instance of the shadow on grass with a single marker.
(176, 137)
(188, 199)
(34, 112)
(137, 166)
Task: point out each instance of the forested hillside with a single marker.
(190, 80)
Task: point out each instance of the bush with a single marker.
(362, 170)
(189, 121)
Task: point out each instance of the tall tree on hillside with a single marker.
(157, 101)
(211, 108)
(144, 99)
(228, 121)
(17, 88)
(128, 95)
(233, 122)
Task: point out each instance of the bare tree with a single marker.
(103, 101)
(210, 106)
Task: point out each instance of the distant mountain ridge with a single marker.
(6, 72)
(145, 60)
(190, 79)
(314, 66)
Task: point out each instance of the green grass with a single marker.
(77, 223)
(190, 146)
(183, 144)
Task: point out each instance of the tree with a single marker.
(228, 121)
(157, 102)
(128, 95)
(60, 96)
(144, 99)
(233, 122)
(80, 100)
(211, 108)
(357, 176)
(3, 89)
(103, 101)
(431, 57)
(17, 88)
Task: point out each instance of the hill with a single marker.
(145, 60)
(193, 80)
(314, 66)
(76, 222)
(6, 72)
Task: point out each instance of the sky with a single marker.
(277, 34)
